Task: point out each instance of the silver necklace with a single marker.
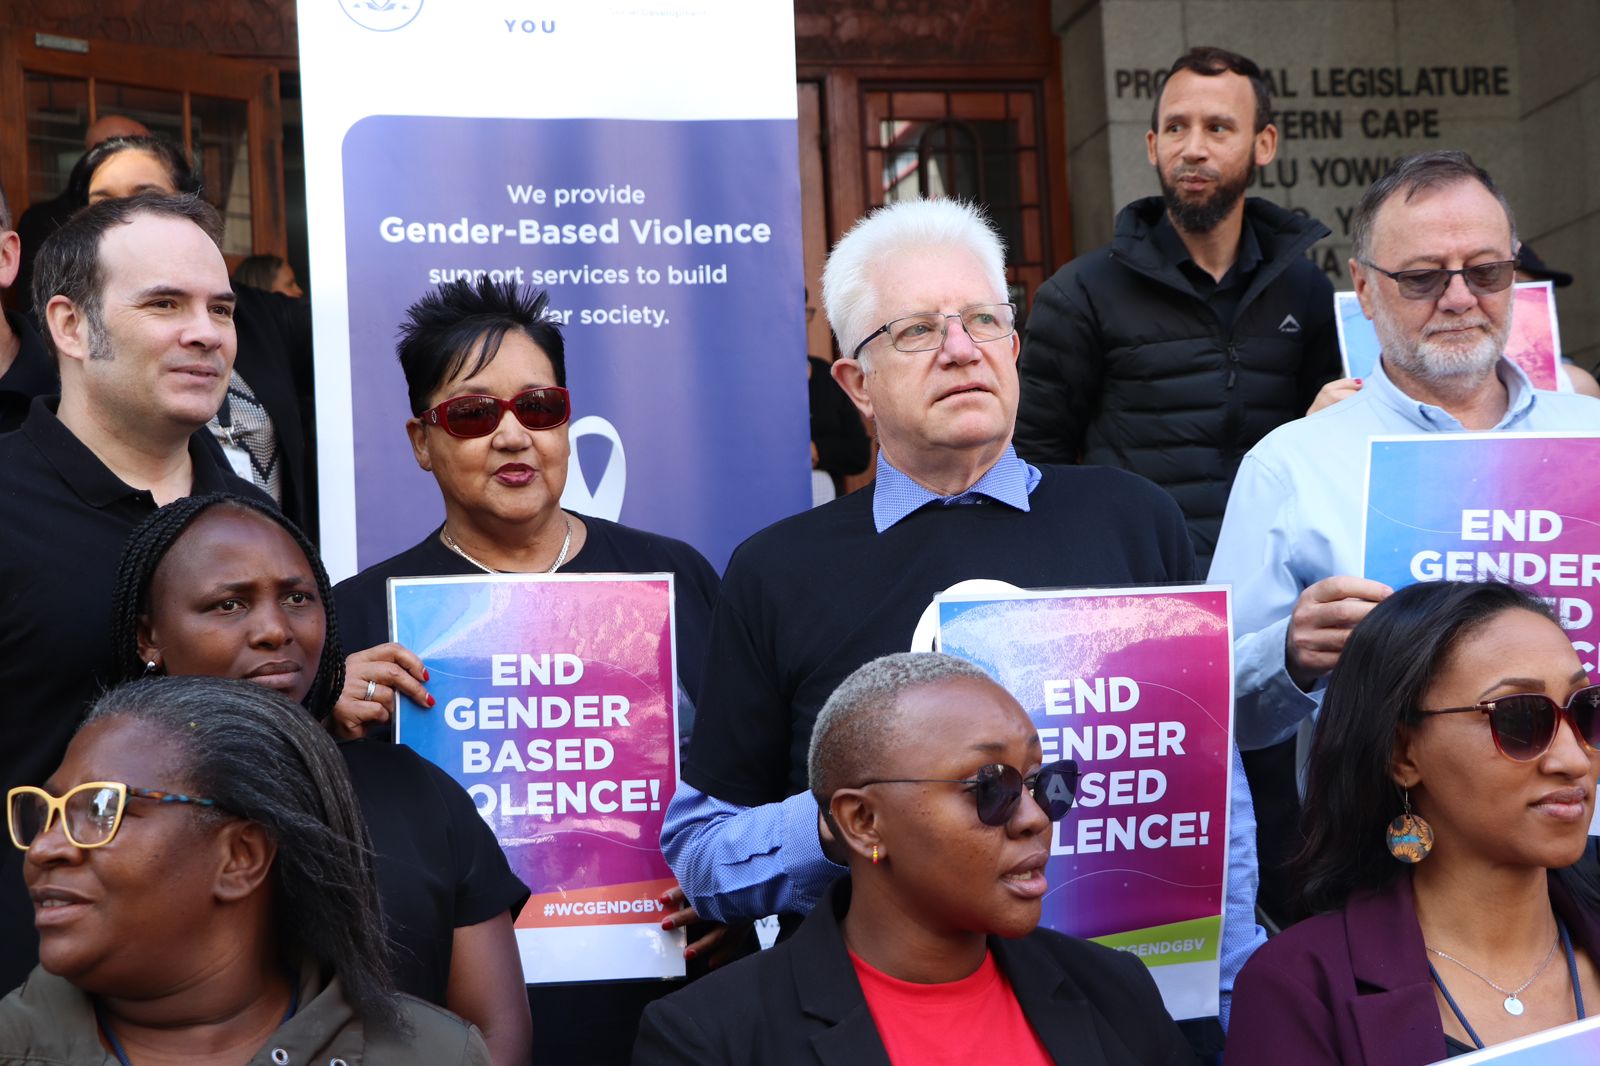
(1512, 1004)
(561, 557)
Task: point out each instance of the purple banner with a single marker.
(671, 251)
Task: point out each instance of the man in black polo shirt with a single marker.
(138, 311)
(1202, 326)
(26, 369)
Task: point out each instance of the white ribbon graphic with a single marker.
(606, 499)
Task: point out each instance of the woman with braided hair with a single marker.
(225, 586)
(201, 885)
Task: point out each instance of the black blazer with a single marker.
(800, 1003)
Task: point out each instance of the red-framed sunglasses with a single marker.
(478, 416)
(1524, 724)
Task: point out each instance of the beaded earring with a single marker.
(1409, 836)
(874, 854)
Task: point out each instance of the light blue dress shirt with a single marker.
(740, 863)
(1296, 516)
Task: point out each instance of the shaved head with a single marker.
(858, 722)
(108, 126)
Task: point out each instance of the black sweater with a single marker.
(808, 600)
(1126, 365)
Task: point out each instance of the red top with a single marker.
(975, 1019)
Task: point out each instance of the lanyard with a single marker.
(1572, 971)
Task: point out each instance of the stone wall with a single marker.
(1357, 83)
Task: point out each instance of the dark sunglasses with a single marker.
(998, 789)
(1524, 725)
(1482, 279)
(479, 416)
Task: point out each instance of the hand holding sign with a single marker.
(372, 677)
(1323, 617)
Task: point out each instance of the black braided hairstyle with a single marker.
(149, 543)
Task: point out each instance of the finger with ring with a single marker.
(372, 687)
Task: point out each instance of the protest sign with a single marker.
(1490, 506)
(555, 708)
(1534, 342)
(1573, 1044)
(1136, 685)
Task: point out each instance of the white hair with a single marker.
(853, 727)
(848, 297)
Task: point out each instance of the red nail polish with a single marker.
(431, 700)
(424, 673)
(1358, 381)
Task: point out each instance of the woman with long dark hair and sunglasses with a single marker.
(225, 586)
(1449, 793)
(928, 952)
(485, 370)
(202, 888)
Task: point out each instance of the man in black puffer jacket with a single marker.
(1201, 327)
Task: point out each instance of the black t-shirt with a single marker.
(32, 373)
(63, 519)
(592, 1023)
(438, 864)
(808, 600)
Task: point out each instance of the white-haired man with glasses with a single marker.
(916, 295)
(1435, 249)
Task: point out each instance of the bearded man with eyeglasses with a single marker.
(1435, 248)
(916, 295)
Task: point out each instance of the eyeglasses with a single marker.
(998, 789)
(479, 416)
(90, 813)
(1482, 279)
(927, 331)
(1524, 724)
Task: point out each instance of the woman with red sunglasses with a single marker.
(485, 370)
(1450, 789)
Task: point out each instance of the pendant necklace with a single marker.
(1512, 1004)
(561, 557)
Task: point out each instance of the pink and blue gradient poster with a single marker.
(1518, 507)
(555, 709)
(1136, 685)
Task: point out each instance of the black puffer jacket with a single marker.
(1124, 365)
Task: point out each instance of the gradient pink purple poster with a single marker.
(1517, 507)
(1136, 685)
(555, 709)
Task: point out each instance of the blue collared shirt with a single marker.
(895, 496)
(1296, 516)
(740, 863)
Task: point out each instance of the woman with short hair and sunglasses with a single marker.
(203, 893)
(1449, 793)
(929, 951)
(485, 370)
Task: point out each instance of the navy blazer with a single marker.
(800, 1003)
(1352, 988)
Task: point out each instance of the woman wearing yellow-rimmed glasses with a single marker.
(229, 915)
